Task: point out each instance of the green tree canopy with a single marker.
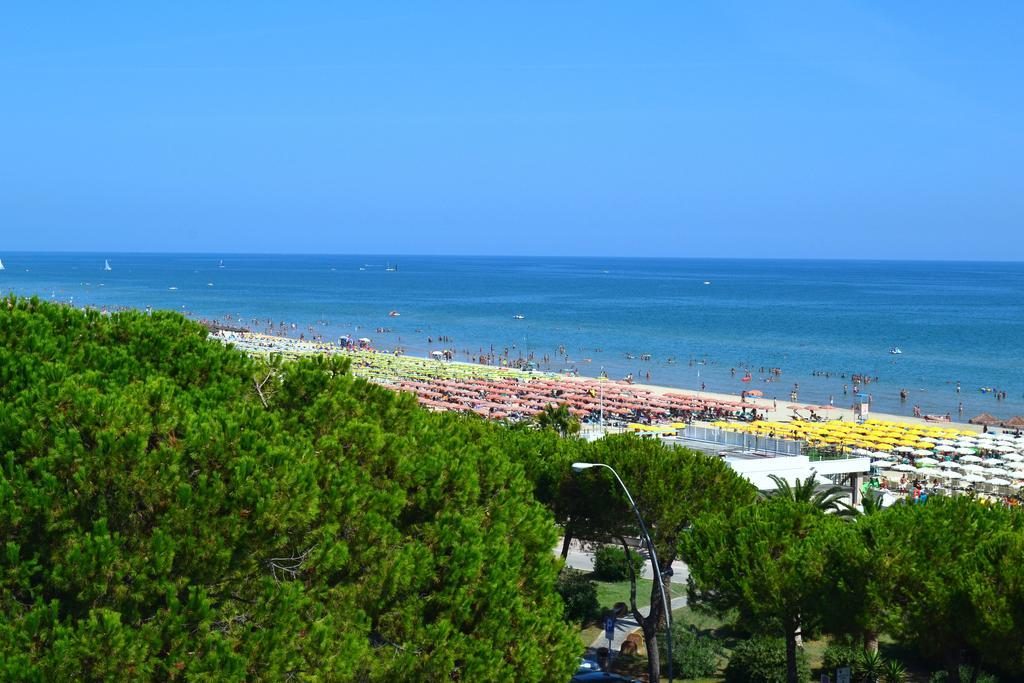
(672, 488)
(171, 508)
(956, 575)
(773, 562)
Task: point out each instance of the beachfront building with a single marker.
(756, 459)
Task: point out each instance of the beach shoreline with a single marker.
(768, 409)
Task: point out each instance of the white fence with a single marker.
(724, 439)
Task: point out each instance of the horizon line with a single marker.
(219, 254)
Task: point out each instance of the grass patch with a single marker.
(609, 592)
(590, 633)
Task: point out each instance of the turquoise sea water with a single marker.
(954, 321)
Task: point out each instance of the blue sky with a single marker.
(714, 128)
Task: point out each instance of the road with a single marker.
(578, 558)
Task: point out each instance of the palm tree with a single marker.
(827, 500)
(871, 666)
(894, 672)
(559, 419)
(872, 503)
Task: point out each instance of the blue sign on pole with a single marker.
(609, 628)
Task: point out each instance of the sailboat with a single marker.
(391, 268)
(106, 265)
(1, 265)
(221, 264)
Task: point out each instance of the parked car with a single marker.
(598, 676)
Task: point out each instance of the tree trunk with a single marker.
(791, 672)
(975, 668)
(799, 638)
(953, 666)
(566, 541)
(653, 656)
(871, 641)
(648, 624)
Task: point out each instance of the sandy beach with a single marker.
(769, 409)
(778, 412)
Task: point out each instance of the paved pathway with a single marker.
(626, 625)
(579, 558)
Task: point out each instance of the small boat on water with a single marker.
(221, 264)
(519, 316)
(106, 265)
(391, 268)
(896, 351)
(394, 314)
(707, 282)
(172, 288)
(1, 265)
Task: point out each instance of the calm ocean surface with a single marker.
(953, 321)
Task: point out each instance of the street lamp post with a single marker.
(579, 467)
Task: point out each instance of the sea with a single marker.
(687, 323)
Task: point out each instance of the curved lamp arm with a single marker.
(579, 467)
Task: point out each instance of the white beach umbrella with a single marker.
(973, 468)
(903, 467)
(949, 474)
(861, 451)
(1005, 448)
(995, 471)
(927, 471)
(922, 451)
(930, 439)
(974, 478)
(904, 449)
(992, 461)
(946, 442)
(945, 448)
(965, 451)
(879, 463)
(882, 455)
(927, 461)
(999, 482)
(970, 458)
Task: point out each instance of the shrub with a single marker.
(694, 654)
(579, 595)
(763, 660)
(839, 654)
(965, 675)
(610, 563)
(894, 672)
(869, 666)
